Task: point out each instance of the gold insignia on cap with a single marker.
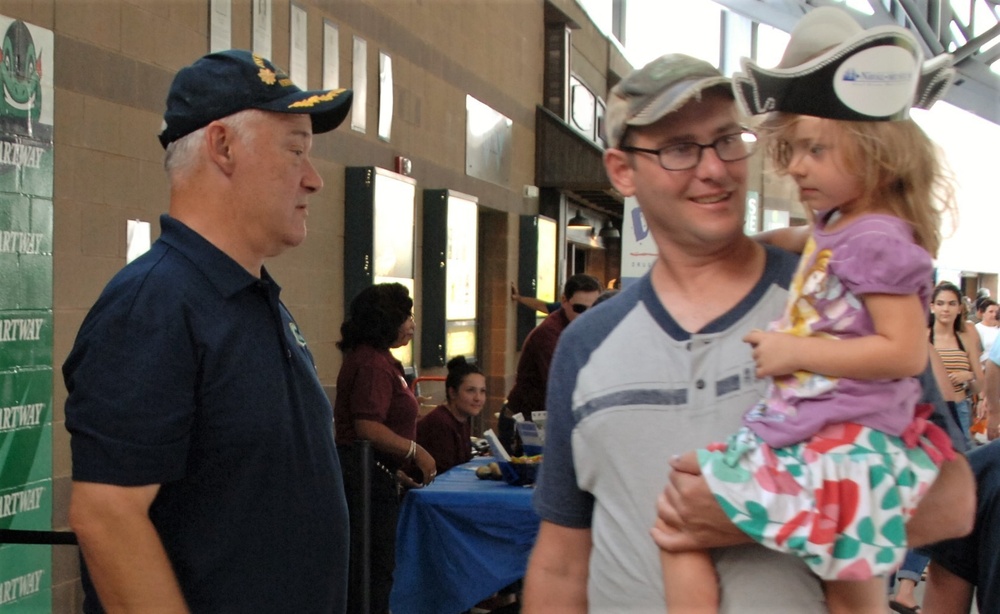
(269, 73)
(312, 101)
(267, 76)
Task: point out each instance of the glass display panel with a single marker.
(394, 206)
(460, 301)
(460, 340)
(546, 272)
(582, 107)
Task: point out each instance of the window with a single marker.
(582, 104)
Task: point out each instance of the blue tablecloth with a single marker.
(460, 540)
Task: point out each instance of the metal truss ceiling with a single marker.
(935, 22)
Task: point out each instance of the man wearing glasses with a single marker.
(662, 368)
(528, 393)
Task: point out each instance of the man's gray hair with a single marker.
(181, 154)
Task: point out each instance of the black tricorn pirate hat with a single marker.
(833, 68)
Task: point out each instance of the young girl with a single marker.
(826, 465)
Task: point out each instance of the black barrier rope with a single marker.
(19, 536)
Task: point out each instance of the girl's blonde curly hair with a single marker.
(901, 169)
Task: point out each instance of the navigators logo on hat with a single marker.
(659, 88)
(833, 68)
(228, 82)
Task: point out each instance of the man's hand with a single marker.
(694, 521)
(774, 353)
(948, 508)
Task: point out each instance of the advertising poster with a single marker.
(26, 112)
(638, 249)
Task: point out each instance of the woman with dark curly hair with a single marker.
(374, 403)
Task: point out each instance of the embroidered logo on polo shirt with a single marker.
(295, 333)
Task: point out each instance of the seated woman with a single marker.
(445, 432)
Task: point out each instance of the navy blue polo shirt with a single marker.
(190, 373)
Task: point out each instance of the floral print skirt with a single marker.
(839, 501)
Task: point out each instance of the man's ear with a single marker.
(219, 142)
(618, 165)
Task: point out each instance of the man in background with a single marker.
(528, 393)
(532, 302)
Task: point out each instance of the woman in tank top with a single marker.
(958, 350)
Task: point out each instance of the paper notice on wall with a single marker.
(136, 240)
(220, 25)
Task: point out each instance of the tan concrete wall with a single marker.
(114, 60)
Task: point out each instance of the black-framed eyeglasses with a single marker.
(685, 156)
(578, 308)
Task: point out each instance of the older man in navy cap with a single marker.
(205, 476)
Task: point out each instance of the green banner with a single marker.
(26, 212)
(25, 579)
(25, 252)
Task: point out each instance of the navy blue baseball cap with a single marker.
(228, 82)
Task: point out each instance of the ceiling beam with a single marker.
(976, 89)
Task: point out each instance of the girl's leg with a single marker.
(855, 597)
(689, 580)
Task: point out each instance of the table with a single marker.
(460, 540)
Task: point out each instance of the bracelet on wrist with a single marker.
(413, 450)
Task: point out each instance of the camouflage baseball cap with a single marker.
(659, 88)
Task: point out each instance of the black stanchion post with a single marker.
(365, 462)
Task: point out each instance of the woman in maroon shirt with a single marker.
(445, 432)
(374, 403)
